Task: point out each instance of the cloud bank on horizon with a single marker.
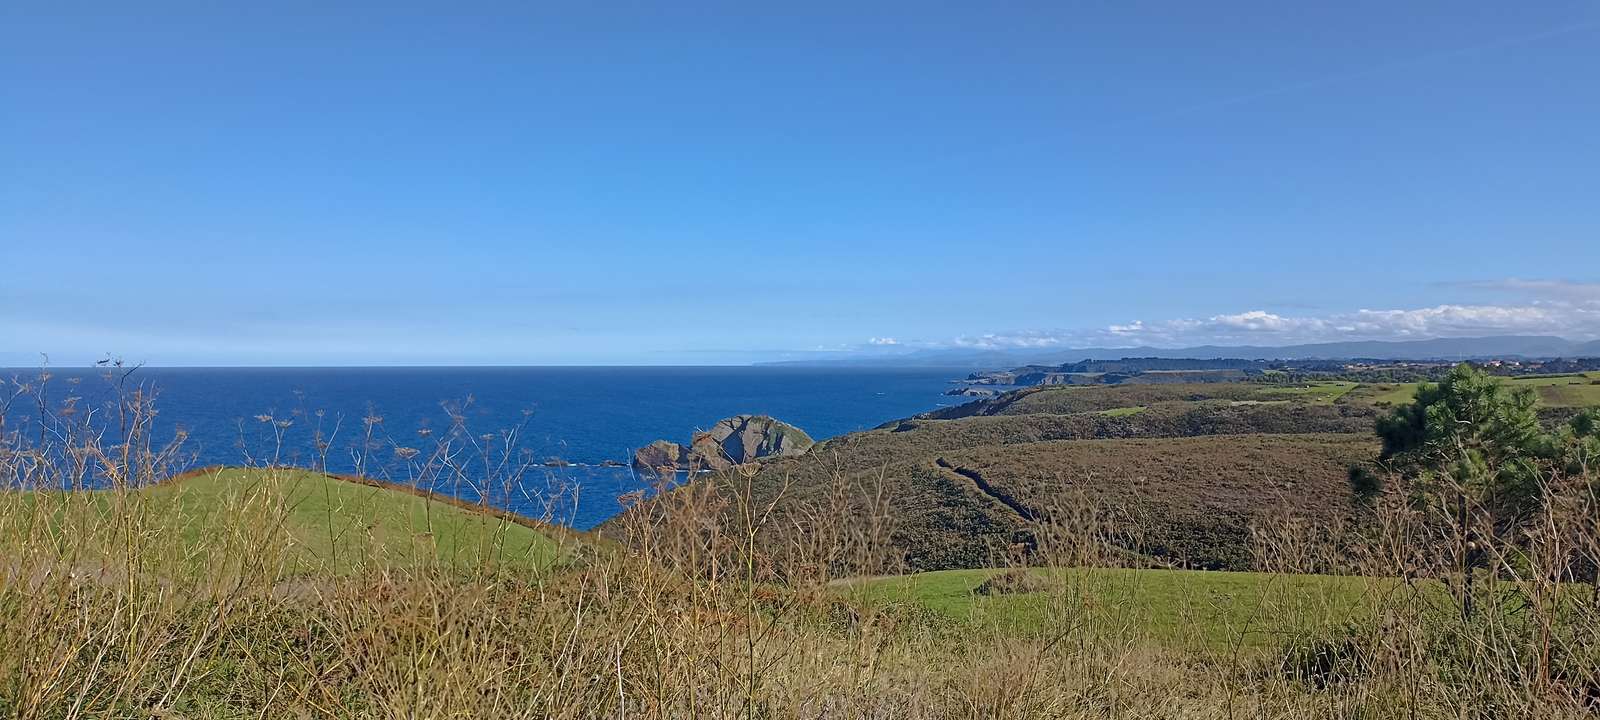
(1553, 307)
(1565, 309)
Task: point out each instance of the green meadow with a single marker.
(1571, 390)
(324, 523)
(1179, 609)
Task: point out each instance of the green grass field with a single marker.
(1575, 390)
(1123, 411)
(326, 523)
(1184, 609)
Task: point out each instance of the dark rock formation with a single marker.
(738, 440)
(747, 438)
(661, 457)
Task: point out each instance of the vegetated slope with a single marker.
(1165, 419)
(1192, 500)
(1575, 390)
(1194, 471)
(330, 522)
(1060, 400)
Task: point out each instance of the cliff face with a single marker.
(731, 441)
(746, 438)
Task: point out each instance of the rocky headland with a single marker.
(738, 440)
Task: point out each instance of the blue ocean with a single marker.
(570, 421)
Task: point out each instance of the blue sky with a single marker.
(526, 183)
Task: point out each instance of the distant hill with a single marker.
(1499, 346)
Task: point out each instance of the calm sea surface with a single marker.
(582, 416)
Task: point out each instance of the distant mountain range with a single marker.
(1478, 348)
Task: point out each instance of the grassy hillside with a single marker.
(1190, 501)
(1185, 469)
(1556, 391)
(1193, 464)
(322, 522)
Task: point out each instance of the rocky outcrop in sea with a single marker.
(738, 440)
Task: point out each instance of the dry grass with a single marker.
(120, 612)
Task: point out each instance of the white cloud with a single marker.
(1015, 340)
(1575, 321)
(1446, 320)
(1257, 320)
(882, 341)
(1560, 308)
(1548, 307)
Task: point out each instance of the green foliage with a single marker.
(1586, 424)
(1474, 430)
(1581, 441)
